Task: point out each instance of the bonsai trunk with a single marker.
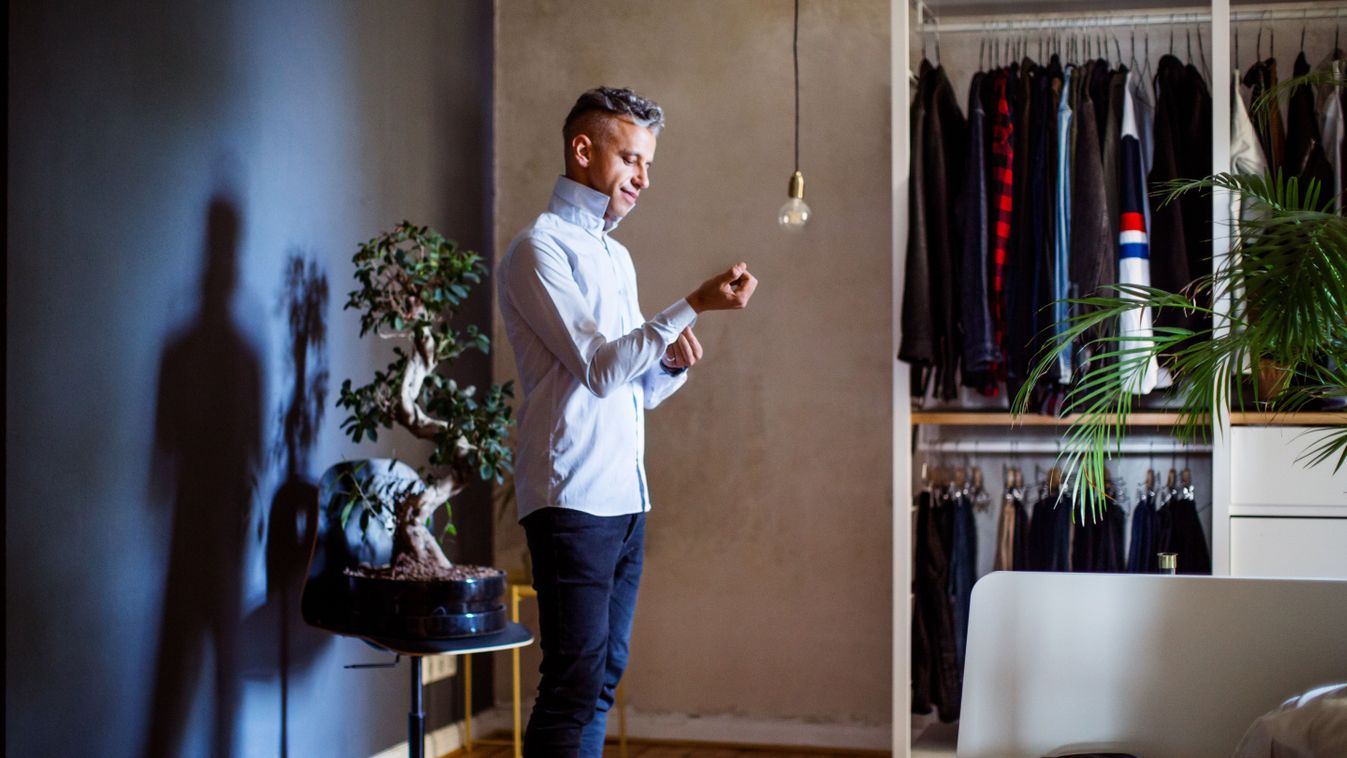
(416, 553)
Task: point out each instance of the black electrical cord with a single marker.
(795, 50)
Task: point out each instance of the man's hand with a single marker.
(725, 292)
(684, 352)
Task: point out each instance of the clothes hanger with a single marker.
(1146, 64)
(1202, 56)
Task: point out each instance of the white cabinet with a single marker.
(1286, 519)
(1267, 480)
(1288, 547)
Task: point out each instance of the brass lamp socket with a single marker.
(797, 186)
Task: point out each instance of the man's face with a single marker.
(619, 165)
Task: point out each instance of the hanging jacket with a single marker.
(1050, 534)
(934, 349)
(980, 354)
(1112, 153)
(1134, 261)
(962, 571)
(1026, 227)
(1012, 533)
(1141, 550)
(1305, 157)
(935, 674)
(1331, 126)
(1261, 77)
(1091, 259)
(1180, 531)
(1003, 201)
(1180, 234)
(917, 347)
(1097, 546)
(1061, 276)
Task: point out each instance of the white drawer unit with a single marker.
(1268, 480)
(1288, 547)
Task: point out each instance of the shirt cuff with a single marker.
(677, 317)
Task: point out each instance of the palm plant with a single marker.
(1285, 283)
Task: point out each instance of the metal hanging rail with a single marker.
(974, 447)
(928, 22)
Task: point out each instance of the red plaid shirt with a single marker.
(1002, 177)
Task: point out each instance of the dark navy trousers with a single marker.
(586, 571)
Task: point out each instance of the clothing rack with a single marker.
(1099, 20)
(1128, 447)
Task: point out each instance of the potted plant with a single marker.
(411, 282)
(1280, 345)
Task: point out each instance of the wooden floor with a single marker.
(662, 749)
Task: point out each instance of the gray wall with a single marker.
(167, 163)
(767, 583)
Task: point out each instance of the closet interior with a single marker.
(1032, 137)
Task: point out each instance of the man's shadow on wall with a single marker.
(208, 449)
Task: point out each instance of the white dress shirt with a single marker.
(589, 362)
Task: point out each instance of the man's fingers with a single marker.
(745, 289)
(736, 271)
(694, 344)
(684, 350)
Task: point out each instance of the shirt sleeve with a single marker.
(543, 291)
(659, 384)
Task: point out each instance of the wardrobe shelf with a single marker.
(977, 418)
(1309, 418)
(1154, 418)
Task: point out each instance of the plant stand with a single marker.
(512, 636)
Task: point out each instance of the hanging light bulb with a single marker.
(795, 214)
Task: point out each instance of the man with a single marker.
(589, 364)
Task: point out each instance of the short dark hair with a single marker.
(612, 101)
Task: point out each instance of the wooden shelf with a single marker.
(975, 418)
(1316, 418)
(1147, 418)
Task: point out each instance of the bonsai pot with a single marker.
(434, 609)
(361, 594)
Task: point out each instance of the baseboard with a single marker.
(447, 739)
(725, 730)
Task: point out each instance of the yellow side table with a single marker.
(519, 591)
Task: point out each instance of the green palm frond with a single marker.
(1271, 97)
(1286, 279)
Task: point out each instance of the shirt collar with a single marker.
(581, 205)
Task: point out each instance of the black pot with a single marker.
(441, 609)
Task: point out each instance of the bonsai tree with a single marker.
(412, 281)
(1285, 283)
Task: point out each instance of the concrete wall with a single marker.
(767, 585)
(167, 164)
